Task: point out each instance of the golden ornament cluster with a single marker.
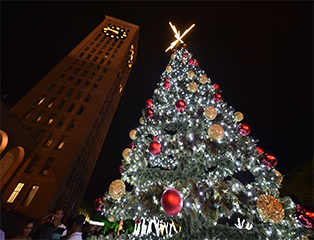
(203, 79)
(210, 113)
(168, 68)
(125, 154)
(132, 134)
(116, 189)
(269, 208)
(238, 116)
(191, 74)
(141, 120)
(216, 132)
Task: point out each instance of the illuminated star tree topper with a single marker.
(177, 35)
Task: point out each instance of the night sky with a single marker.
(260, 54)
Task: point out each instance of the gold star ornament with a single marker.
(177, 36)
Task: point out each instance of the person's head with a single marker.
(27, 227)
(78, 223)
(59, 215)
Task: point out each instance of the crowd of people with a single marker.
(52, 227)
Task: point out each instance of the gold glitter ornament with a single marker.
(141, 120)
(192, 87)
(238, 116)
(191, 74)
(203, 79)
(125, 154)
(269, 208)
(210, 113)
(173, 56)
(156, 91)
(168, 68)
(111, 219)
(278, 174)
(132, 134)
(116, 189)
(216, 132)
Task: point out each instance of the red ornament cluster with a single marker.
(97, 203)
(149, 113)
(180, 105)
(305, 216)
(171, 202)
(217, 97)
(268, 160)
(244, 129)
(155, 148)
(216, 87)
(149, 103)
(259, 150)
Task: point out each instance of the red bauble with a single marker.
(155, 148)
(166, 79)
(149, 113)
(259, 150)
(180, 105)
(216, 86)
(196, 63)
(244, 129)
(268, 160)
(171, 202)
(185, 55)
(120, 170)
(166, 85)
(97, 203)
(149, 103)
(190, 62)
(217, 97)
(305, 216)
(154, 138)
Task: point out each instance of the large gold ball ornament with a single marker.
(132, 134)
(216, 132)
(141, 120)
(210, 113)
(269, 208)
(156, 91)
(125, 154)
(238, 116)
(203, 79)
(191, 74)
(192, 87)
(168, 68)
(116, 189)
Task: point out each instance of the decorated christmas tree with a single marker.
(186, 163)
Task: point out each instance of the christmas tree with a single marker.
(185, 164)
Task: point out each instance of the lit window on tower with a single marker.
(30, 195)
(15, 192)
(41, 100)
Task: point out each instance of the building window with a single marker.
(40, 115)
(88, 97)
(61, 77)
(91, 44)
(39, 134)
(88, 56)
(15, 192)
(92, 75)
(90, 66)
(72, 124)
(99, 78)
(61, 142)
(104, 47)
(93, 50)
(108, 42)
(83, 63)
(102, 60)
(80, 111)
(94, 87)
(61, 104)
(78, 82)
(106, 55)
(109, 49)
(98, 45)
(30, 195)
(32, 163)
(112, 56)
(51, 119)
(86, 48)
(79, 94)
(115, 51)
(71, 107)
(61, 122)
(100, 52)
(105, 70)
(41, 100)
(47, 166)
(70, 92)
(108, 63)
(84, 73)
(97, 68)
(69, 80)
(95, 59)
(86, 84)
(52, 86)
(49, 140)
(75, 61)
(61, 89)
(101, 40)
(77, 70)
(51, 102)
(81, 54)
(68, 69)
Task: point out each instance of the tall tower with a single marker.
(69, 113)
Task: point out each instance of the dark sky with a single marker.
(260, 53)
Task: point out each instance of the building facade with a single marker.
(68, 113)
